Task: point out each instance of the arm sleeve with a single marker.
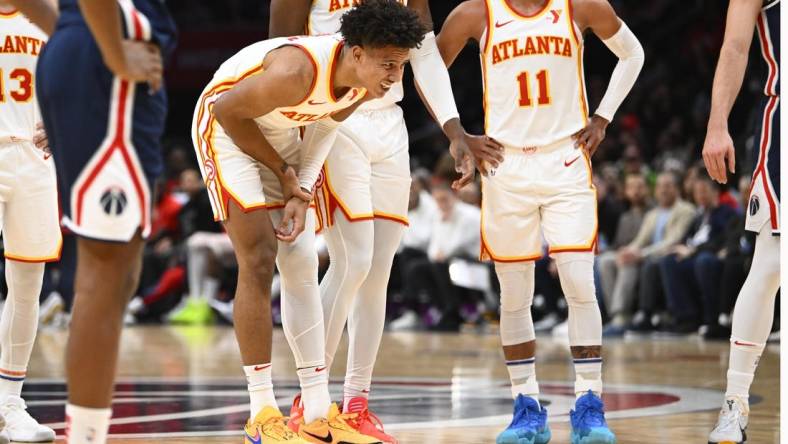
(316, 144)
(433, 79)
(630, 55)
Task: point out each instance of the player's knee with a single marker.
(576, 273)
(354, 265)
(259, 261)
(517, 287)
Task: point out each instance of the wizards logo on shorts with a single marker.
(755, 205)
(113, 201)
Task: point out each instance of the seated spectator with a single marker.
(663, 227)
(692, 272)
(455, 234)
(608, 211)
(636, 192)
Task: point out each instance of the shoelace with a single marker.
(278, 427)
(591, 415)
(343, 421)
(367, 416)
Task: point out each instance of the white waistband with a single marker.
(6, 140)
(557, 145)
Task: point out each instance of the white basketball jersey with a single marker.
(20, 44)
(534, 92)
(324, 19)
(324, 51)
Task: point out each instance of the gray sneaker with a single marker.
(732, 424)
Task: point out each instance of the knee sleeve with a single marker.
(19, 321)
(576, 272)
(350, 247)
(517, 293)
(754, 311)
(302, 311)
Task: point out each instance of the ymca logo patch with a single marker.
(113, 201)
(755, 205)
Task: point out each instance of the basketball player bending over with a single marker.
(246, 135)
(754, 311)
(363, 199)
(535, 104)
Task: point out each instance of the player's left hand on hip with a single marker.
(40, 139)
(592, 135)
(293, 220)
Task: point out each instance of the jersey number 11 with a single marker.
(525, 88)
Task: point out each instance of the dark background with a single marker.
(663, 120)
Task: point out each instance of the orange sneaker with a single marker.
(364, 421)
(296, 414)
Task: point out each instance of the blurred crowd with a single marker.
(672, 250)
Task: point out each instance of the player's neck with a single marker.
(528, 7)
(344, 75)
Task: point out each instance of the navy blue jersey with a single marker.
(765, 190)
(163, 31)
(104, 131)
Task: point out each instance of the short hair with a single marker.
(381, 23)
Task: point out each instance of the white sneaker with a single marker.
(732, 424)
(20, 426)
(4, 438)
(408, 321)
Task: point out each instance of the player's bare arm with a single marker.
(467, 22)
(132, 60)
(600, 17)
(43, 13)
(718, 150)
(288, 17)
(286, 81)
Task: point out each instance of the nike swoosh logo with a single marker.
(254, 439)
(567, 164)
(319, 369)
(327, 439)
(312, 102)
(47, 156)
(365, 391)
(261, 367)
(744, 344)
(501, 25)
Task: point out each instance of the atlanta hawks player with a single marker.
(752, 317)
(363, 200)
(28, 213)
(535, 102)
(246, 131)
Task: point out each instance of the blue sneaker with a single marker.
(529, 424)
(588, 421)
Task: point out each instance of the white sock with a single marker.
(741, 367)
(588, 376)
(314, 392)
(522, 373)
(261, 388)
(86, 426)
(351, 392)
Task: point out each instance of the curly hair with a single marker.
(379, 23)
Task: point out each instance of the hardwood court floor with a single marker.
(184, 385)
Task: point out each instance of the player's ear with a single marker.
(357, 52)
